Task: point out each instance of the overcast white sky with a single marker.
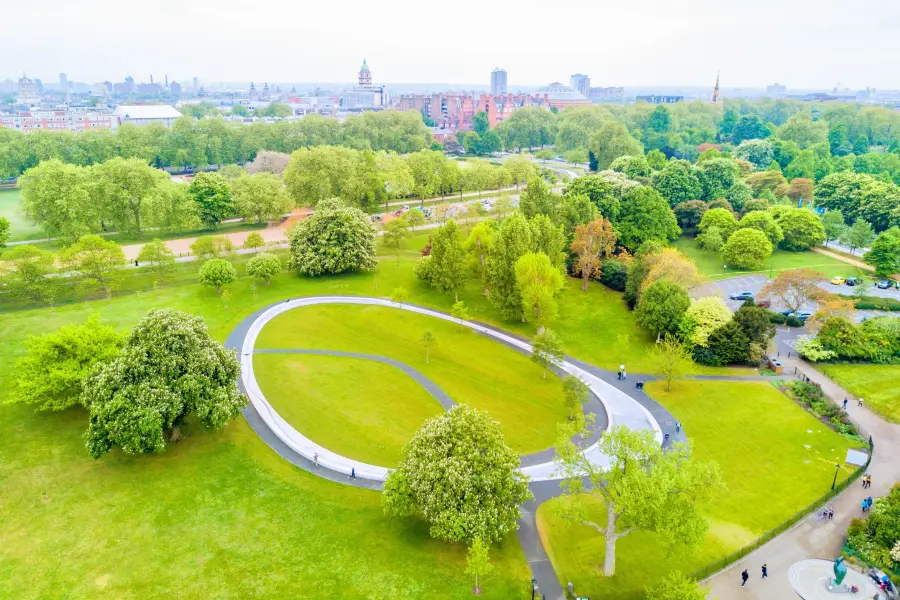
(800, 43)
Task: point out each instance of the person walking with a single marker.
(316, 458)
(765, 571)
(677, 426)
(859, 402)
(845, 403)
(744, 577)
(865, 481)
(352, 472)
(868, 481)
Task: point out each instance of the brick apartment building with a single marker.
(60, 119)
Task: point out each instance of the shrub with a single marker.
(792, 321)
(777, 318)
(614, 275)
(811, 397)
(876, 303)
(811, 349)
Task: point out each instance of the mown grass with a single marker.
(19, 227)
(878, 385)
(775, 459)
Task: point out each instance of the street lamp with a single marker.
(837, 468)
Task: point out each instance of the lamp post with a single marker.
(837, 468)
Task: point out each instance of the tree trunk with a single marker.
(585, 275)
(427, 352)
(175, 436)
(609, 561)
(137, 222)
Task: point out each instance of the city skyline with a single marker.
(662, 43)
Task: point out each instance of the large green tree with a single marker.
(447, 271)
(645, 215)
(26, 275)
(98, 261)
(170, 368)
(885, 253)
(217, 273)
(765, 222)
(643, 488)
(611, 141)
(802, 229)
(58, 197)
(747, 248)
(678, 182)
(158, 257)
(212, 195)
(539, 282)
(458, 473)
(858, 235)
(510, 243)
(264, 266)
(661, 307)
(50, 375)
(126, 189)
(334, 239)
(260, 197)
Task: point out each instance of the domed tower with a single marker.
(365, 75)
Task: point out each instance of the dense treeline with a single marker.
(212, 141)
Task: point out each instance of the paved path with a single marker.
(813, 537)
(850, 261)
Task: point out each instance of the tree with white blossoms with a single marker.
(643, 489)
(459, 474)
(170, 368)
(334, 239)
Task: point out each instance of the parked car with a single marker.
(851, 281)
(884, 284)
(838, 280)
(742, 295)
(803, 315)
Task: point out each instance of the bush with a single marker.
(793, 321)
(614, 275)
(777, 318)
(811, 349)
(876, 303)
(811, 397)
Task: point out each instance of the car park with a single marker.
(838, 280)
(852, 281)
(742, 295)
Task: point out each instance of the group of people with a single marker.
(745, 575)
(859, 402)
(828, 513)
(867, 504)
(867, 481)
(622, 374)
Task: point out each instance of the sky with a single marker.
(800, 43)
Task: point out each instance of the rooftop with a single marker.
(147, 111)
(558, 91)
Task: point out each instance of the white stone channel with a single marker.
(621, 409)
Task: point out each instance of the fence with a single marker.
(717, 566)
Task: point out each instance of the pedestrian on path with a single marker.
(859, 402)
(865, 481)
(765, 571)
(830, 514)
(868, 481)
(352, 472)
(677, 426)
(666, 439)
(619, 375)
(744, 577)
(845, 403)
(571, 589)
(316, 458)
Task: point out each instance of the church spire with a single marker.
(716, 96)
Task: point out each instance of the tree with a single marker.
(217, 272)
(482, 498)
(26, 274)
(671, 265)
(254, 241)
(858, 235)
(169, 368)
(802, 130)
(644, 488)
(460, 311)
(749, 127)
(661, 307)
(689, 214)
(269, 162)
(756, 325)
(593, 242)
(478, 245)
(758, 153)
(50, 375)
(547, 237)
(57, 196)
(546, 350)
(678, 182)
(884, 254)
(264, 266)
(800, 188)
(447, 271)
(574, 210)
(415, 218)
(711, 239)
(428, 340)
(833, 225)
(521, 169)
(611, 141)
(671, 360)
(212, 195)
(644, 216)
(172, 209)
(575, 393)
(764, 222)
(478, 561)
(794, 288)
(538, 282)
(160, 257)
(97, 261)
(511, 242)
(334, 239)
(396, 231)
(738, 195)
(717, 175)
(802, 229)
(212, 246)
(764, 180)
(538, 199)
(729, 345)
(126, 187)
(702, 318)
(480, 123)
(755, 205)
(676, 586)
(261, 197)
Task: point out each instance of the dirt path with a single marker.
(846, 259)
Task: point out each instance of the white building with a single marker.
(27, 95)
(366, 95)
(99, 90)
(145, 114)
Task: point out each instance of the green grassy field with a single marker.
(11, 208)
(774, 458)
(877, 384)
(361, 409)
(710, 264)
(473, 369)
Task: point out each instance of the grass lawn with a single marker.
(473, 369)
(359, 408)
(774, 457)
(877, 384)
(710, 264)
(11, 208)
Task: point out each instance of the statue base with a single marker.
(813, 579)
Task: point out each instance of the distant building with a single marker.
(63, 82)
(39, 86)
(266, 95)
(144, 114)
(28, 95)
(501, 107)
(498, 82)
(660, 99)
(175, 88)
(580, 83)
(606, 93)
(253, 95)
(125, 88)
(98, 90)
(562, 96)
(72, 119)
(449, 111)
(149, 89)
(775, 90)
(366, 94)
(716, 97)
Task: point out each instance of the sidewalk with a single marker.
(812, 538)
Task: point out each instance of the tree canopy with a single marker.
(334, 239)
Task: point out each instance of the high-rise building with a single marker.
(39, 86)
(196, 84)
(175, 88)
(63, 82)
(580, 83)
(498, 82)
(27, 95)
